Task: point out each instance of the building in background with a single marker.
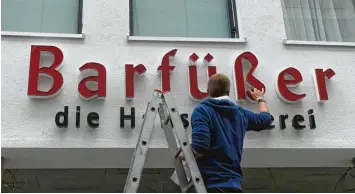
(105, 58)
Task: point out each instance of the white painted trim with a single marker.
(42, 35)
(239, 21)
(186, 39)
(318, 43)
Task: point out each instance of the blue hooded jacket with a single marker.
(218, 130)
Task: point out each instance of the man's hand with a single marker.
(182, 156)
(257, 94)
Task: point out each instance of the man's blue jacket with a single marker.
(218, 130)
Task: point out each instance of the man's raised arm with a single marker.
(263, 119)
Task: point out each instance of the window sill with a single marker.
(318, 43)
(186, 39)
(42, 35)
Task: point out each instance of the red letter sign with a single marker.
(130, 70)
(239, 84)
(165, 69)
(51, 71)
(84, 91)
(282, 85)
(194, 91)
(319, 83)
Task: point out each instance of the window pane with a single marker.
(207, 18)
(181, 18)
(320, 20)
(53, 16)
(60, 16)
(159, 18)
(21, 15)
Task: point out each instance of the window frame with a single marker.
(79, 33)
(235, 26)
(80, 17)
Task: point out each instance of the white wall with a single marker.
(30, 123)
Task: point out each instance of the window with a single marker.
(46, 16)
(320, 20)
(184, 18)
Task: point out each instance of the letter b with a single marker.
(51, 71)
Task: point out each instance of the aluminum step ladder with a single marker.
(177, 140)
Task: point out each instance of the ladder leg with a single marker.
(140, 153)
(174, 149)
(185, 146)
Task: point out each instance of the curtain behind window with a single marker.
(320, 20)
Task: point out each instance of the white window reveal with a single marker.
(41, 16)
(184, 18)
(320, 20)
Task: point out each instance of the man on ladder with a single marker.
(218, 131)
(177, 140)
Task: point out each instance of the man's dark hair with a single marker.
(218, 85)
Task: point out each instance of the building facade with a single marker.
(105, 58)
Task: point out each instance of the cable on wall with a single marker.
(13, 183)
(342, 179)
(273, 180)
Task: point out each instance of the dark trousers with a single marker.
(224, 190)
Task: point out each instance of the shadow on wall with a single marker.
(293, 180)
